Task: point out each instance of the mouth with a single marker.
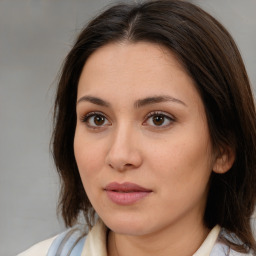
(126, 193)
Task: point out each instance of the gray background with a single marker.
(35, 36)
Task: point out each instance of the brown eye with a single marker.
(95, 120)
(158, 120)
(99, 120)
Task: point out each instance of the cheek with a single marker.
(184, 159)
(183, 171)
(88, 155)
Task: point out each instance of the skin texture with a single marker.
(172, 159)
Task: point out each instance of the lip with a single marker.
(126, 193)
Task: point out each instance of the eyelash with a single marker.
(165, 116)
(85, 119)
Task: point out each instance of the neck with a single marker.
(169, 241)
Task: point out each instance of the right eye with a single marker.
(95, 120)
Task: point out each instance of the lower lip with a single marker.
(126, 198)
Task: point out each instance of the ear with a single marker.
(224, 160)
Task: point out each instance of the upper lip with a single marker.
(126, 187)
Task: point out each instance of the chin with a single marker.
(127, 226)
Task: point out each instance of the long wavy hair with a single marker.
(210, 56)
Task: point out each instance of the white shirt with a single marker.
(95, 245)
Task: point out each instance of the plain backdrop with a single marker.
(35, 36)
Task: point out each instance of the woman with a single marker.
(155, 132)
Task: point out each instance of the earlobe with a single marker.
(224, 161)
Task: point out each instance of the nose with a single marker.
(124, 153)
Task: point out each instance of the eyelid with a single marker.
(84, 119)
(158, 112)
(164, 114)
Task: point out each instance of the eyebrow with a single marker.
(156, 99)
(94, 100)
(138, 103)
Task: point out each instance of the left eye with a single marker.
(159, 120)
(96, 120)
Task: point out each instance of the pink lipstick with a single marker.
(126, 193)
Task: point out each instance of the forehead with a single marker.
(143, 55)
(135, 70)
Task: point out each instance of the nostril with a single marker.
(120, 167)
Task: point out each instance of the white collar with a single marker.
(95, 244)
(206, 247)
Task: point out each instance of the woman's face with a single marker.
(142, 143)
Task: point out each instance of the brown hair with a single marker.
(211, 58)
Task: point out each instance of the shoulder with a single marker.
(221, 249)
(70, 242)
(39, 249)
